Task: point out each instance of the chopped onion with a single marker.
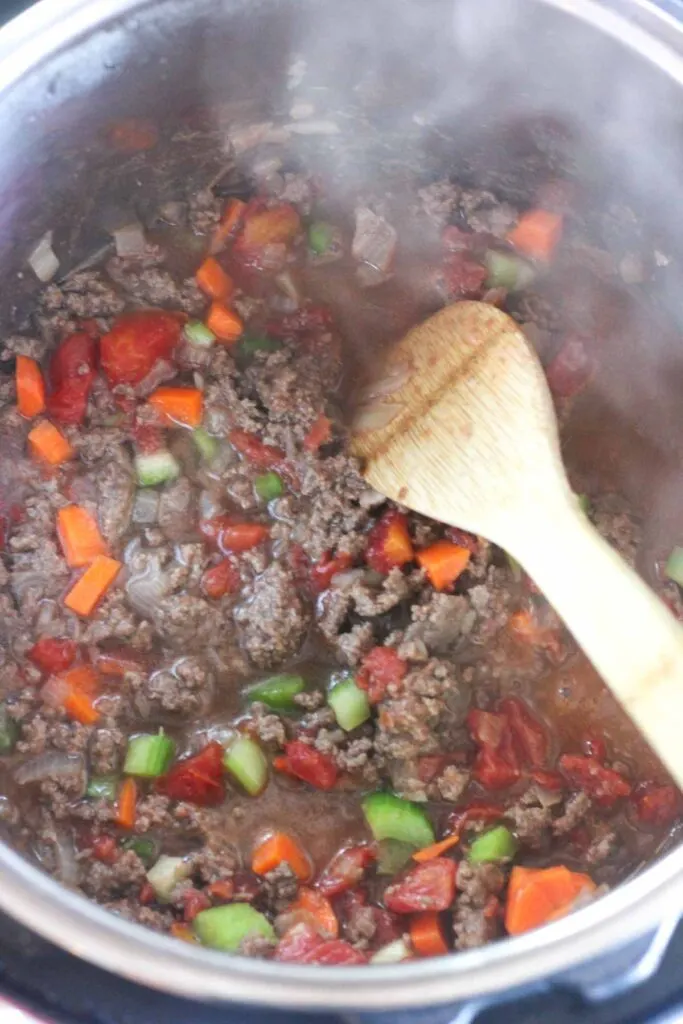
(288, 287)
(43, 261)
(146, 590)
(167, 873)
(393, 378)
(313, 128)
(209, 505)
(146, 506)
(375, 416)
(54, 764)
(65, 853)
(394, 953)
(342, 580)
(374, 240)
(130, 240)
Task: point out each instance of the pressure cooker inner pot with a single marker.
(350, 169)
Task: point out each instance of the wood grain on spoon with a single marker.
(460, 426)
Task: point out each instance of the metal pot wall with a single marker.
(609, 75)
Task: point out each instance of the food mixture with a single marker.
(245, 700)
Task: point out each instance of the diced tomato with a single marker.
(463, 277)
(389, 544)
(529, 734)
(547, 780)
(265, 456)
(104, 848)
(68, 404)
(229, 535)
(148, 438)
(194, 901)
(73, 359)
(319, 434)
(387, 928)
(571, 369)
(326, 569)
(454, 239)
(221, 891)
(601, 784)
(346, 869)
(477, 811)
(136, 342)
(147, 894)
(334, 953)
(297, 943)
(486, 727)
(221, 579)
(197, 779)
(52, 655)
(309, 765)
(381, 668)
(493, 770)
(594, 746)
(429, 886)
(656, 805)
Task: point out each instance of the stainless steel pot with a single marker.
(67, 67)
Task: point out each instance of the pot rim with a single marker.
(86, 930)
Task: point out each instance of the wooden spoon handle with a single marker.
(627, 632)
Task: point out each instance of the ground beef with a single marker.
(440, 621)
(116, 486)
(426, 713)
(107, 748)
(153, 286)
(185, 688)
(257, 946)
(473, 924)
(156, 918)
(177, 513)
(338, 513)
(83, 295)
(279, 888)
(532, 815)
(440, 201)
(106, 881)
(575, 810)
(273, 619)
(269, 727)
(452, 783)
(617, 525)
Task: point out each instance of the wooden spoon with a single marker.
(460, 426)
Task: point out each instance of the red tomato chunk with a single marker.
(197, 779)
(346, 869)
(429, 886)
(309, 765)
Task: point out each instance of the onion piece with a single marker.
(146, 590)
(374, 240)
(53, 764)
(394, 953)
(68, 870)
(130, 240)
(313, 128)
(42, 260)
(146, 506)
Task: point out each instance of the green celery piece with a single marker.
(103, 787)
(149, 756)
(278, 692)
(320, 236)
(391, 817)
(269, 486)
(227, 927)
(9, 731)
(349, 703)
(674, 566)
(497, 844)
(245, 760)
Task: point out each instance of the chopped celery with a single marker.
(497, 844)
(227, 927)
(278, 692)
(584, 503)
(349, 703)
(157, 468)
(146, 849)
(391, 817)
(149, 756)
(207, 446)
(9, 731)
(247, 763)
(166, 874)
(199, 334)
(251, 343)
(507, 271)
(393, 953)
(674, 566)
(320, 237)
(269, 486)
(393, 856)
(103, 787)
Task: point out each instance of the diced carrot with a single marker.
(230, 222)
(79, 536)
(536, 896)
(183, 932)
(179, 405)
(444, 562)
(80, 707)
(436, 849)
(319, 433)
(126, 806)
(81, 679)
(30, 387)
(426, 935)
(276, 849)
(49, 444)
(317, 910)
(93, 585)
(225, 324)
(213, 280)
(537, 234)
